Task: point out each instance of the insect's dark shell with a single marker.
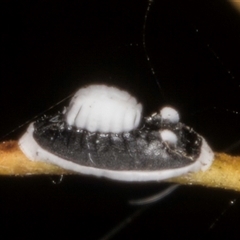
(140, 149)
(102, 133)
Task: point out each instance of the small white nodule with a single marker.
(169, 136)
(169, 114)
(104, 109)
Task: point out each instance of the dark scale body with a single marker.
(140, 149)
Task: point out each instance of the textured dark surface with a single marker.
(51, 48)
(140, 149)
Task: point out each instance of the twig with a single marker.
(224, 172)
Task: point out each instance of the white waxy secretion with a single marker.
(169, 114)
(104, 109)
(168, 136)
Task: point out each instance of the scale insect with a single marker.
(103, 133)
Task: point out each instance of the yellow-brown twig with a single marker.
(224, 172)
(14, 162)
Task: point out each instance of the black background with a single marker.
(51, 48)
